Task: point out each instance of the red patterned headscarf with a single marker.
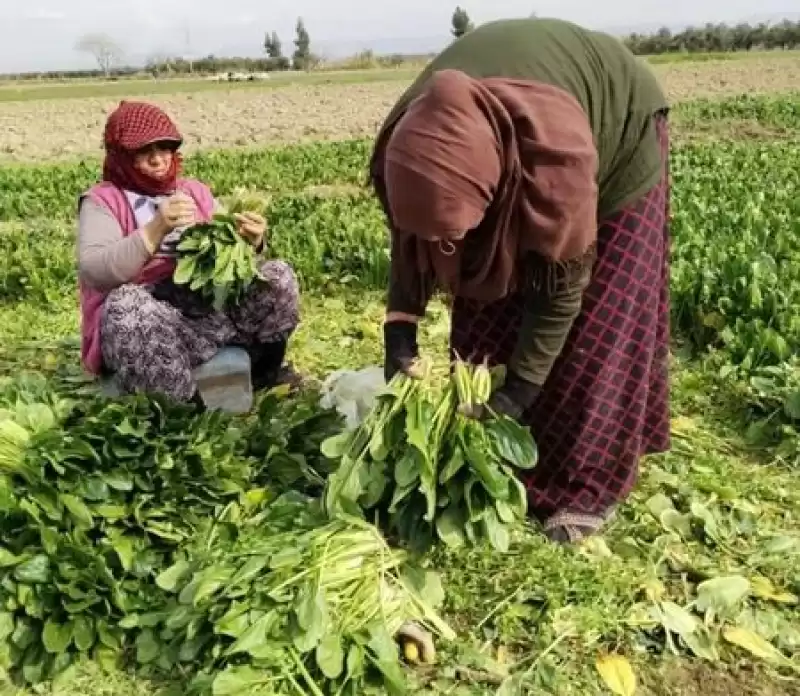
(130, 127)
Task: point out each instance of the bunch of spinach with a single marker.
(92, 509)
(297, 604)
(214, 259)
(427, 469)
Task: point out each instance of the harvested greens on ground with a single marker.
(425, 469)
(214, 259)
(285, 439)
(298, 604)
(92, 506)
(141, 530)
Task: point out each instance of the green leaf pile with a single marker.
(428, 470)
(143, 528)
(92, 508)
(286, 437)
(297, 604)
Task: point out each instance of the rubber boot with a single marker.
(267, 366)
(197, 401)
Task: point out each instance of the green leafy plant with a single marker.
(285, 438)
(430, 471)
(93, 505)
(297, 604)
(214, 259)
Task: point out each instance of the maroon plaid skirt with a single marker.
(606, 401)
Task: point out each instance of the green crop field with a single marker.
(693, 588)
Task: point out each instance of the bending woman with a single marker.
(525, 172)
(136, 323)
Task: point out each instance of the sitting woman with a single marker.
(136, 323)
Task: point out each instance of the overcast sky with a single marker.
(41, 34)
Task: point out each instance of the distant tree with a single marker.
(273, 46)
(461, 23)
(301, 59)
(105, 50)
(274, 50)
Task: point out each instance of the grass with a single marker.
(717, 56)
(744, 118)
(14, 91)
(84, 89)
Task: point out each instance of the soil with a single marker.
(687, 678)
(66, 129)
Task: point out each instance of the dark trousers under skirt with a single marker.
(606, 402)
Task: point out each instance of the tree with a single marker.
(461, 23)
(302, 47)
(273, 46)
(105, 50)
(274, 50)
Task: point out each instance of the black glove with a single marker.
(515, 397)
(400, 347)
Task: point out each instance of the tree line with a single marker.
(718, 38)
(711, 38)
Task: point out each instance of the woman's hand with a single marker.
(515, 397)
(400, 350)
(179, 210)
(252, 227)
(512, 399)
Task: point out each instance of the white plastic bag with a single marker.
(352, 393)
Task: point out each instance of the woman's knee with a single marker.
(282, 282)
(131, 318)
(127, 298)
(271, 310)
(141, 347)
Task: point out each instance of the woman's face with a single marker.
(155, 160)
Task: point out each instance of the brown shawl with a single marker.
(511, 161)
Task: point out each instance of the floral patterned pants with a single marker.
(153, 337)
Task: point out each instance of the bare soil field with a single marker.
(65, 129)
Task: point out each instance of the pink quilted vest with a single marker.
(157, 269)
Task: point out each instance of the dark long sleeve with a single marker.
(400, 297)
(546, 324)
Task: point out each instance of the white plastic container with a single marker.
(225, 383)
